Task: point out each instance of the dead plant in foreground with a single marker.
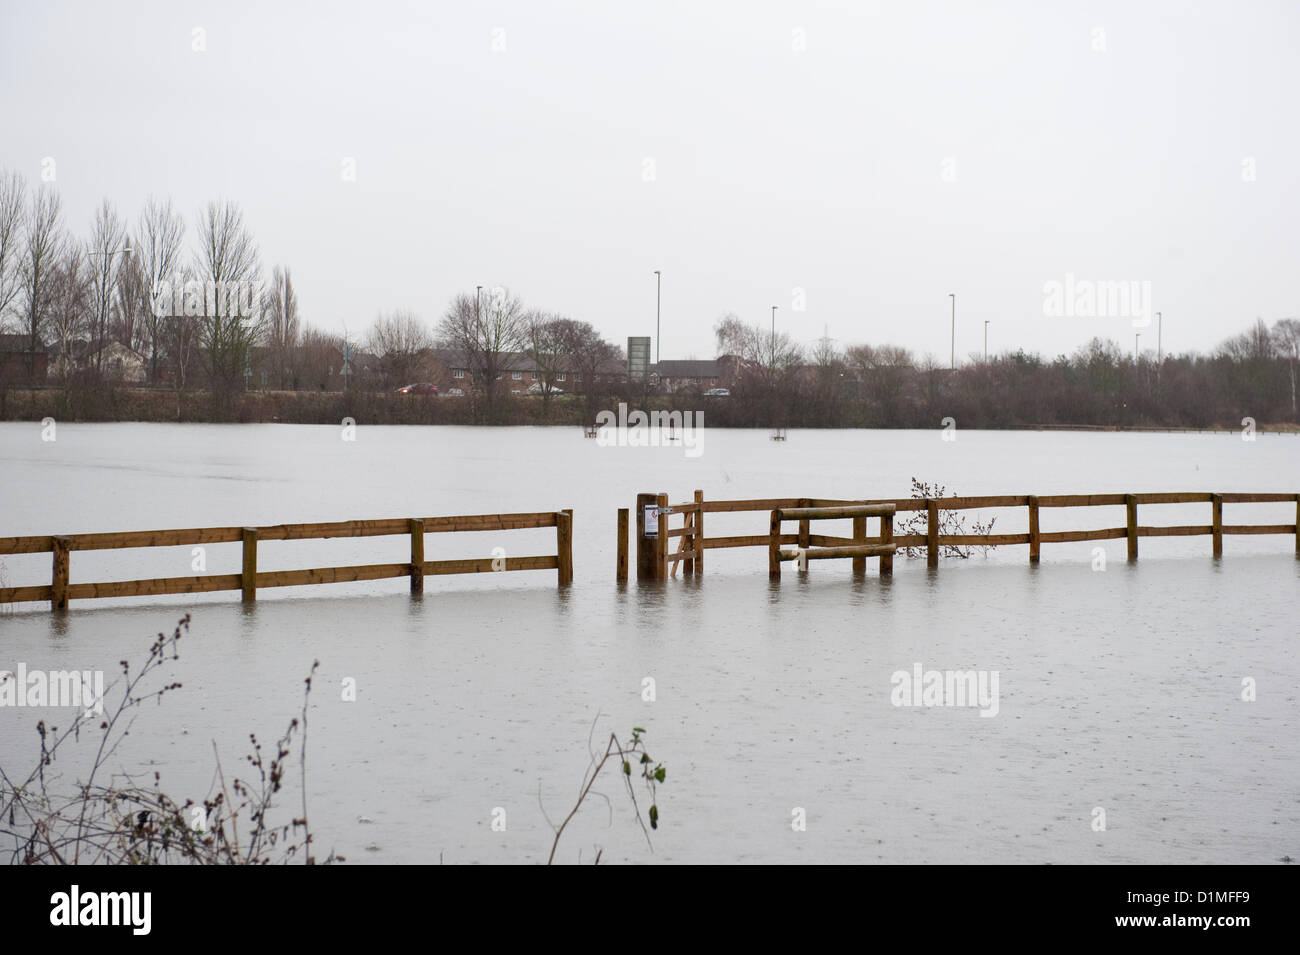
(624, 753)
(121, 822)
(950, 522)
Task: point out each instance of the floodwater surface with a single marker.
(1157, 698)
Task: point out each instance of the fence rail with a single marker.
(655, 561)
(60, 589)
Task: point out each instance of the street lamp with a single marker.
(1160, 352)
(658, 288)
(952, 361)
(1137, 353)
(986, 341)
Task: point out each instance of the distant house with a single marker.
(19, 362)
(695, 374)
(117, 362)
(120, 363)
(520, 374)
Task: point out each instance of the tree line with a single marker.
(187, 305)
(783, 384)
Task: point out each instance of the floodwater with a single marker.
(1119, 690)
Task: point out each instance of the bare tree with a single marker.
(282, 325)
(546, 349)
(160, 234)
(401, 342)
(487, 330)
(227, 264)
(882, 373)
(763, 353)
(585, 353)
(107, 245)
(318, 357)
(1286, 338)
(180, 340)
(12, 215)
(44, 247)
(134, 300)
(69, 310)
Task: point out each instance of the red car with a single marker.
(424, 388)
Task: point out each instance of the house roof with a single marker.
(19, 342)
(687, 368)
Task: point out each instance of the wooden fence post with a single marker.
(59, 583)
(886, 537)
(699, 532)
(661, 541)
(774, 547)
(1131, 514)
(1216, 505)
(860, 537)
(805, 528)
(564, 545)
(932, 533)
(1034, 537)
(417, 556)
(645, 546)
(249, 580)
(620, 568)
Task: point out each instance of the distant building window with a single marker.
(458, 373)
(560, 376)
(517, 375)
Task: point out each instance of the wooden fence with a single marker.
(656, 560)
(60, 590)
(858, 547)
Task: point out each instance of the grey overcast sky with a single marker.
(877, 156)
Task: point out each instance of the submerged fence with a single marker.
(60, 589)
(656, 560)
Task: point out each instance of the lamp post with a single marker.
(952, 360)
(1160, 352)
(986, 341)
(1137, 353)
(658, 290)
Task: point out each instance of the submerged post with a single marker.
(1216, 504)
(417, 556)
(860, 537)
(620, 567)
(564, 545)
(699, 532)
(645, 538)
(774, 547)
(661, 539)
(932, 533)
(248, 582)
(1131, 512)
(1034, 538)
(887, 537)
(59, 583)
(805, 527)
